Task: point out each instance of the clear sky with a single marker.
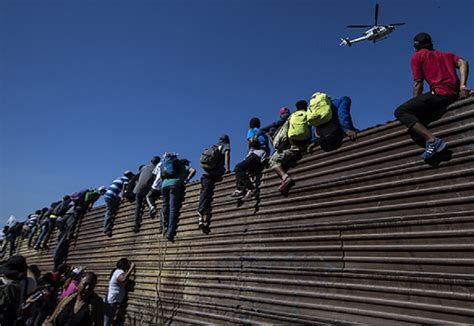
(92, 88)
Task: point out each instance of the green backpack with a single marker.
(298, 128)
(319, 110)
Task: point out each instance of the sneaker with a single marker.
(207, 220)
(200, 220)
(285, 184)
(249, 195)
(108, 233)
(433, 148)
(152, 212)
(237, 193)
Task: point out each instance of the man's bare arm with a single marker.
(417, 88)
(463, 67)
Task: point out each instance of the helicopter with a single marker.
(375, 33)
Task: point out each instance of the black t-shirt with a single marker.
(68, 318)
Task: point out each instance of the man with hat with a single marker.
(273, 127)
(212, 174)
(11, 274)
(439, 70)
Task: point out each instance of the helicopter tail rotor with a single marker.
(345, 42)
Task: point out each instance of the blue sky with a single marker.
(92, 88)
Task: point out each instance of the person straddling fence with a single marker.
(298, 136)
(273, 127)
(253, 163)
(329, 136)
(439, 70)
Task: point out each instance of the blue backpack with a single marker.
(169, 167)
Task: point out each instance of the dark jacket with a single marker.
(272, 128)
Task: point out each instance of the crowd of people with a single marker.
(63, 297)
(323, 122)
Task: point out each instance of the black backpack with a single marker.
(9, 302)
(128, 191)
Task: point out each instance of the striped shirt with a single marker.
(116, 187)
(32, 220)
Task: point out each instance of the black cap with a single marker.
(224, 139)
(422, 40)
(14, 265)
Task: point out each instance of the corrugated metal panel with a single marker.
(369, 234)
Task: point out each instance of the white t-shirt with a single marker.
(157, 182)
(116, 291)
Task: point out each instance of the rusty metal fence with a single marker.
(369, 234)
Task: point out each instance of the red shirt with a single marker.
(438, 69)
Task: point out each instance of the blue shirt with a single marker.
(262, 139)
(116, 187)
(341, 113)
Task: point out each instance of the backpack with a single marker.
(78, 196)
(169, 167)
(62, 208)
(9, 302)
(211, 157)
(319, 110)
(128, 191)
(298, 126)
(280, 138)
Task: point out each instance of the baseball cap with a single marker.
(284, 110)
(421, 39)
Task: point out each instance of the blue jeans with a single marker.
(111, 310)
(172, 196)
(111, 208)
(32, 234)
(45, 226)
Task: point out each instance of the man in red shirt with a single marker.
(439, 70)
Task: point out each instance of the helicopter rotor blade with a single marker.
(376, 13)
(397, 24)
(358, 26)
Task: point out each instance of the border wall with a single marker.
(369, 234)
